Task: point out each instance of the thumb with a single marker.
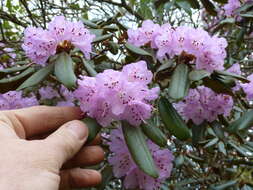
(67, 141)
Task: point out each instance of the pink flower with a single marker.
(40, 44)
(203, 104)
(231, 6)
(124, 166)
(48, 92)
(209, 51)
(15, 100)
(235, 68)
(143, 35)
(248, 88)
(118, 95)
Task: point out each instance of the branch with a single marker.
(12, 18)
(24, 3)
(124, 5)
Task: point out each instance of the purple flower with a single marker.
(124, 166)
(203, 104)
(40, 44)
(248, 88)
(231, 6)
(48, 92)
(15, 100)
(235, 68)
(209, 51)
(143, 35)
(118, 95)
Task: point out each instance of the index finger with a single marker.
(43, 119)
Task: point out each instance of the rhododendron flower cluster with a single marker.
(248, 88)
(124, 166)
(118, 95)
(209, 51)
(202, 104)
(15, 100)
(49, 92)
(40, 44)
(231, 6)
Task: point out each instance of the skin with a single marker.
(44, 147)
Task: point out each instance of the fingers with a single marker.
(77, 178)
(66, 141)
(89, 155)
(41, 119)
(6, 131)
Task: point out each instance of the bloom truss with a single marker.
(209, 51)
(202, 104)
(114, 95)
(124, 166)
(40, 44)
(15, 100)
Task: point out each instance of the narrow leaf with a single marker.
(180, 83)
(64, 70)
(102, 38)
(136, 50)
(155, 134)
(93, 127)
(172, 120)
(37, 77)
(14, 69)
(139, 150)
(197, 75)
(244, 122)
(211, 142)
(17, 77)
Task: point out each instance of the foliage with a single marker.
(214, 154)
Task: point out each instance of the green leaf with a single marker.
(179, 160)
(221, 147)
(184, 4)
(198, 132)
(89, 68)
(210, 8)
(19, 76)
(180, 83)
(139, 150)
(154, 133)
(136, 50)
(239, 149)
(172, 120)
(93, 127)
(107, 175)
(89, 23)
(217, 86)
(37, 77)
(225, 185)
(14, 69)
(243, 123)
(197, 75)
(194, 4)
(225, 73)
(211, 142)
(217, 127)
(102, 38)
(64, 70)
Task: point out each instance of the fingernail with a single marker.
(78, 130)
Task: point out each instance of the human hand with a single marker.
(51, 163)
